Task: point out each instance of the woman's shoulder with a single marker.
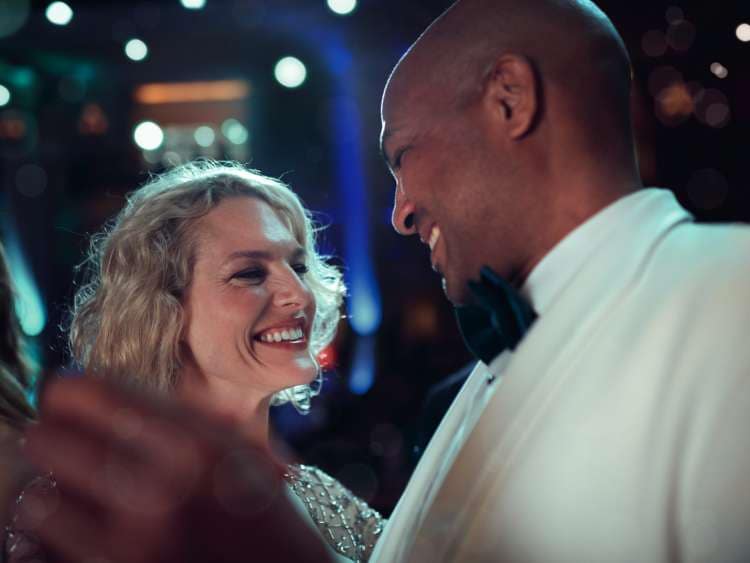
(349, 525)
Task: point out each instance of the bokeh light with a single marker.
(136, 50)
(31, 180)
(342, 7)
(59, 13)
(21, 129)
(674, 104)
(712, 108)
(654, 43)
(148, 135)
(93, 120)
(171, 159)
(719, 70)
(234, 131)
(193, 4)
(662, 77)
(290, 72)
(674, 14)
(681, 35)
(13, 15)
(4, 96)
(743, 32)
(204, 136)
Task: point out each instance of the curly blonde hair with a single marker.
(127, 317)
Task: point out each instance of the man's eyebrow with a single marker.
(387, 134)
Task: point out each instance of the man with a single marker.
(615, 431)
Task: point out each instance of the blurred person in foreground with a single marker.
(208, 287)
(15, 372)
(16, 410)
(615, 429)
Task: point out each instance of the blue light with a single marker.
(29, 305)
(363, 367)
(364, 306)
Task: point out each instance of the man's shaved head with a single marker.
(506, 125)
(571, 44)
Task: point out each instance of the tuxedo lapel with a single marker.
(536, 371)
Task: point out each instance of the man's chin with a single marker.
(457, 293)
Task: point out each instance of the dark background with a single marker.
(67, 157)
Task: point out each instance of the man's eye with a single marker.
(398, 159)
(301, 269)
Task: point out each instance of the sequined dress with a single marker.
(346, 522)
(349, 526)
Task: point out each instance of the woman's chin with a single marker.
(303, 370)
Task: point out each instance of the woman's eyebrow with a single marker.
(254, 254)
(297, 253)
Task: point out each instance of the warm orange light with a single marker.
(184, 92)
(93, 121)
(12, 128)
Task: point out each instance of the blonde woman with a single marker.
(208, 286)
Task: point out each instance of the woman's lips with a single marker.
(289, 336)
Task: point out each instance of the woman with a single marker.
(208, 286)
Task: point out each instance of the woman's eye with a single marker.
(301, 269)
(253, 275)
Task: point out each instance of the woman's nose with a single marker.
(292, 291)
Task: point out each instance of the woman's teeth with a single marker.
(290, 334)
(434, 236)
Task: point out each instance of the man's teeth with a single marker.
(434, 236)
(282, 335)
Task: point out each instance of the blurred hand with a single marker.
(142, 480)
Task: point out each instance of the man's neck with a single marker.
(576, 204)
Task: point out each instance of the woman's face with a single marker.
(248, 310)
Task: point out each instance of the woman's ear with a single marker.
(511, 94)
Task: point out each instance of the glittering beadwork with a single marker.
(345, 521)
(23, 546)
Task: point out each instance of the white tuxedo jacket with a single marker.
(620, 430)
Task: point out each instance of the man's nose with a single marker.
(402, 217)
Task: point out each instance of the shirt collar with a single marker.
(553, 273)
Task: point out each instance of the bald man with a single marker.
(617, 430)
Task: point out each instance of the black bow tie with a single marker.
(499, 318)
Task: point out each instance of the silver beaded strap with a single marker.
(346, 522)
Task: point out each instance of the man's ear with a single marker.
(511, 94)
